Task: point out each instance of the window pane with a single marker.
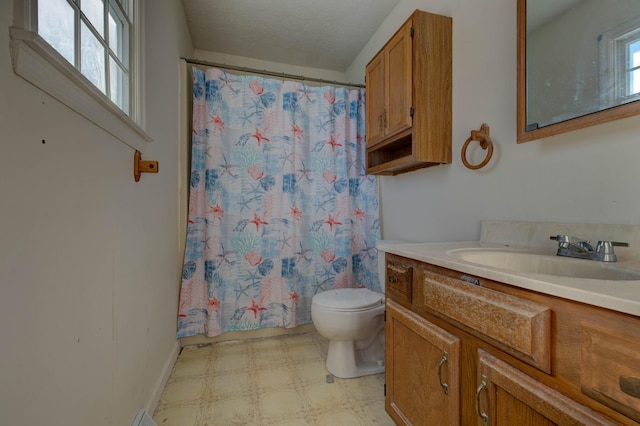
(94, 11)
(634, 82)
(56, 26)
(118, 37)
(92, 58)
(634, 54)
(119, 82)
(634, 64)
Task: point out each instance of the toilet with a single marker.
(353, 321)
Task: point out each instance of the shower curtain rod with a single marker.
(271, 73)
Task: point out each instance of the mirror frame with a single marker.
(598, 117)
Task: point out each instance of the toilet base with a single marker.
(343, 361)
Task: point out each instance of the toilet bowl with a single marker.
(353, 321)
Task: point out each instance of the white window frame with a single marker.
(614, 72)
(40, 64)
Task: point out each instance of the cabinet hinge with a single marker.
(385, 389)
(411, 112)
(385, 315)
(411, 32)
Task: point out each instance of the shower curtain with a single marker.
(280, 207)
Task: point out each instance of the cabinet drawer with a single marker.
(520, 327)
(399, 281)
(610, 370)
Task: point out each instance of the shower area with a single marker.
(279, 205)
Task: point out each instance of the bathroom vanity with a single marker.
(472, 342)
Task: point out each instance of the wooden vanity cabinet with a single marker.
(408, 108)
(422, 360)
(496, 373)
(513, 397)
(423, 370)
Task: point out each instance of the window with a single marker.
(91, 48)
(99, 49)
(620, 63)
(630, 65)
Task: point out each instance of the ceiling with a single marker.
(326, 34)
(542, 11)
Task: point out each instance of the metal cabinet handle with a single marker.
(393, 279)
(483, 416)
(445, 387)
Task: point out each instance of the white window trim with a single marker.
(40, 64)
(611, 78)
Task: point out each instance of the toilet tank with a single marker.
(380, 245)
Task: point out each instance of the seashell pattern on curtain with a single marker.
(280, 207)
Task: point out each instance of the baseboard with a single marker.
(164, 377)
(259, 333)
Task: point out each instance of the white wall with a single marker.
(586, 176)
(277, 67)
(88, 258)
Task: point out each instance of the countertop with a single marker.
(619, 295)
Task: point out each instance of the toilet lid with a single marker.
(348, 298)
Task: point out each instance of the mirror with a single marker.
(578, 64)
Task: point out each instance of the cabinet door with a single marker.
(398, 80)
(422, 370)
(507, 396)
(374, 119)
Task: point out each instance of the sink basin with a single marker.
(536, 263)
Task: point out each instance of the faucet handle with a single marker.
(605, 252)
(566, 241)
(561, 239)
(618, 243)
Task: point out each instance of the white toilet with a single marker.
(353, 321)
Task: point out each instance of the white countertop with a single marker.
(622, 296)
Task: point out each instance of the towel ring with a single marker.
(481, 136)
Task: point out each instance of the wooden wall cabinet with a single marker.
(408, 107)
(587, 373)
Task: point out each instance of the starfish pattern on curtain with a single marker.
(280, 207)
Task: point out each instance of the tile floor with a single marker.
(272, 381)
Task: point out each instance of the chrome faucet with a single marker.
(582, 249)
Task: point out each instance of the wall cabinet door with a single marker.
(398, 82)
(422, 370)
(375, 100)
(389, 88)
(506, 395)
